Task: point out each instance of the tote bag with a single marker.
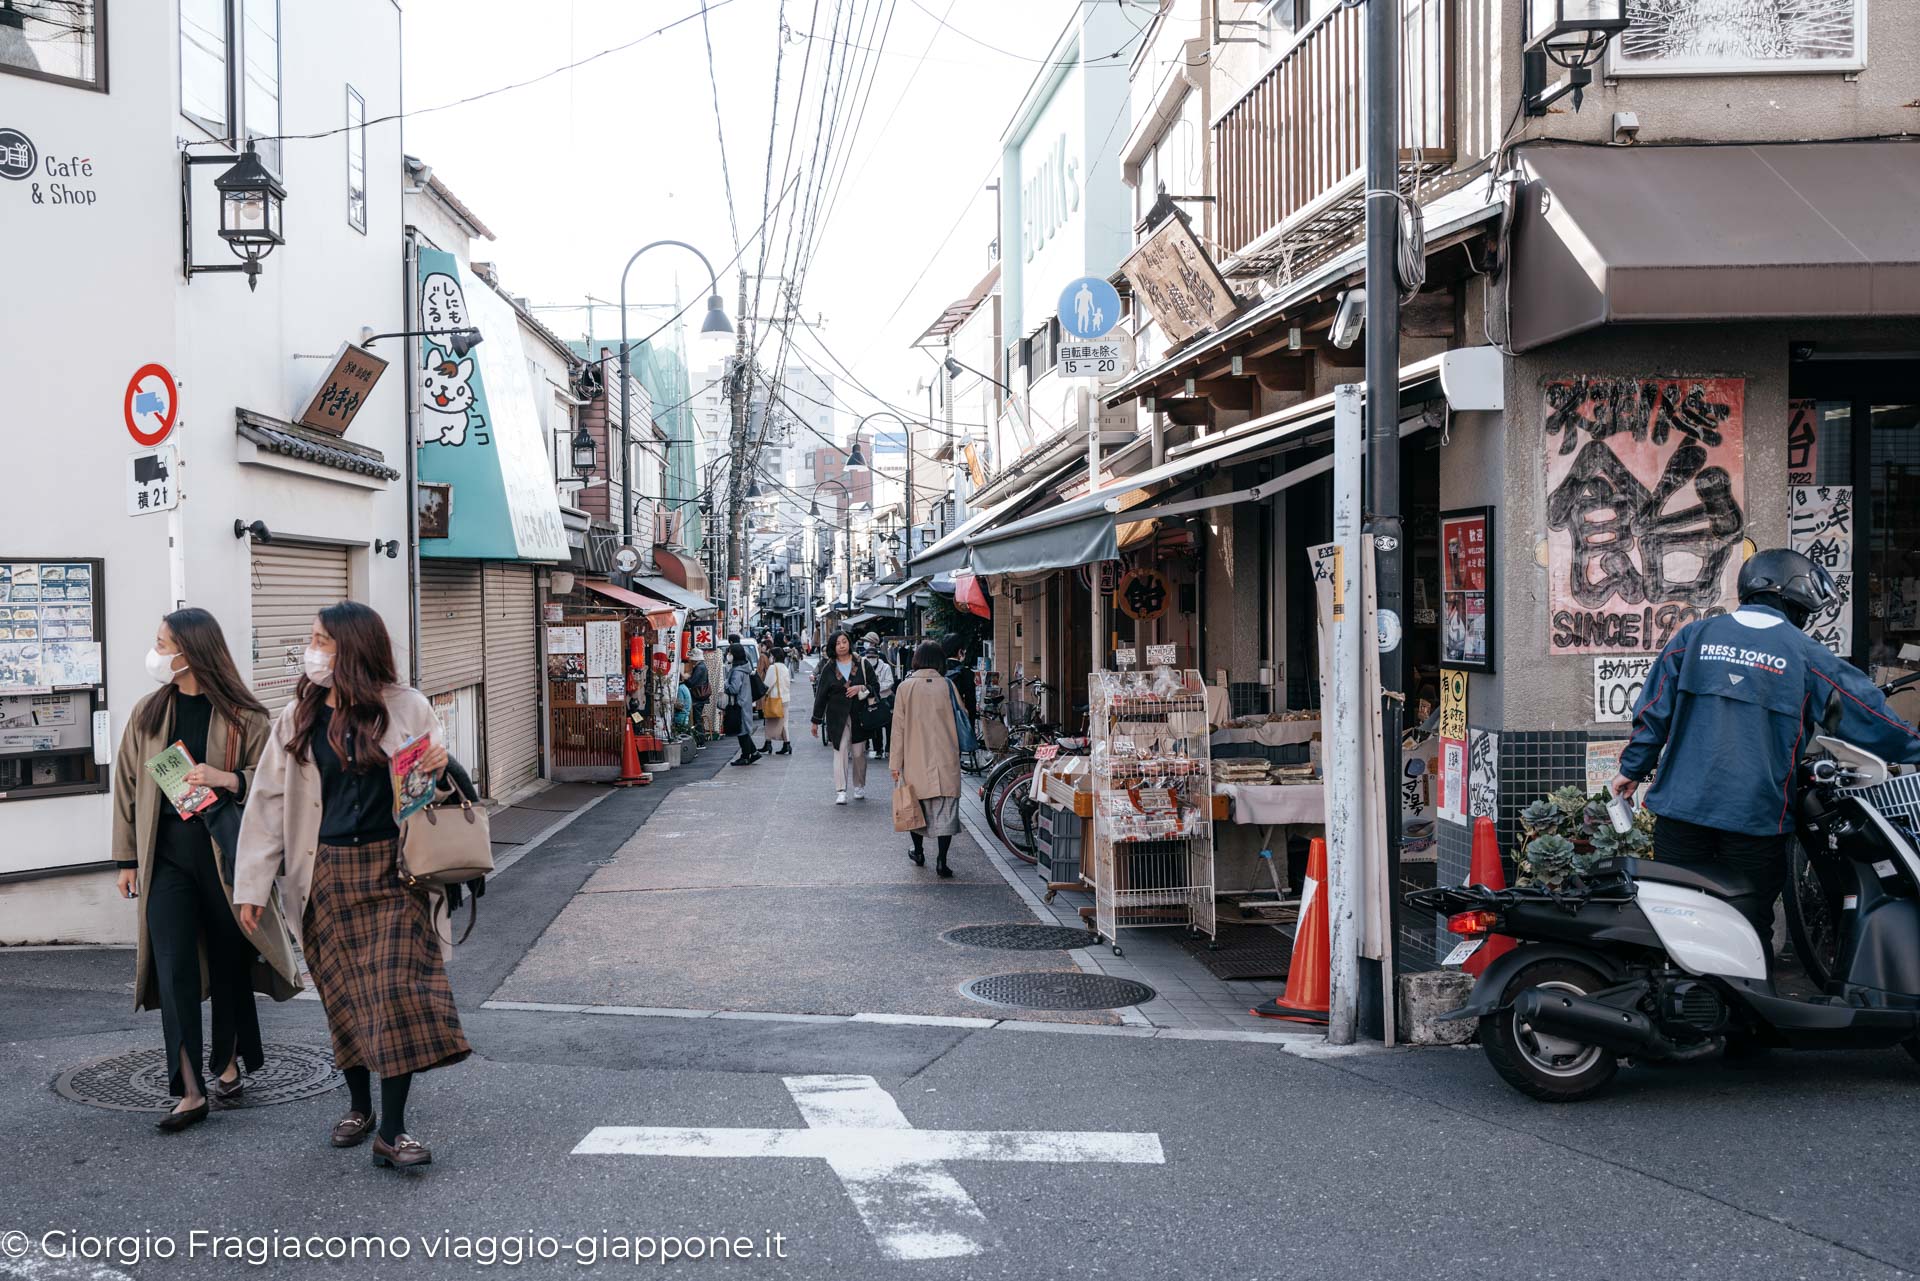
(962, 724)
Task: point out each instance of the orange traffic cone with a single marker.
(631, 775)
(1310, 973)
(1486, 870)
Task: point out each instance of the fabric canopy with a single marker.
(668, 590)
(659, 614)
(1054, 546)
(1607, 235)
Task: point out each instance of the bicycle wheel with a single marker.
(1812, 923)
(1015, 811)
(974, 762)
(990, 789)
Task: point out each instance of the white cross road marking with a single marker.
(891, 1171)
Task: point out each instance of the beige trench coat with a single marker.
(281, 834)
(925, 747)
(137, 801)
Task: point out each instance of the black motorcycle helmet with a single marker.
(1788, 581)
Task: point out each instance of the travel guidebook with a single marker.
(412, 781)
(169, 769)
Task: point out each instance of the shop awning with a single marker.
(668, 590)
(1612, 235)
(950, 552)
(683, 569)
(1083, 530)
(659, 613)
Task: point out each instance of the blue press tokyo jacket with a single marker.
(1734, 699)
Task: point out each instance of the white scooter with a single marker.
(1652, 961)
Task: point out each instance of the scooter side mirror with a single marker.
(1866, 768)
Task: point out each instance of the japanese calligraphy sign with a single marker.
(1617, 683)
(1820, 527)
(1144, 594)
(1803, 442)
(1453, 743)
(1645, 508)
(348, 384)
(1179, 284)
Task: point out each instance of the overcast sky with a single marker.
(575, 173)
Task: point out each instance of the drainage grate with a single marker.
(137, 1081)
(1058, 990)
(1022, 937)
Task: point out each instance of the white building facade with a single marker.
(106, 341)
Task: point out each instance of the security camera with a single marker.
(1349, 318)
(1626, 127)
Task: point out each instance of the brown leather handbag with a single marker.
(447, 842)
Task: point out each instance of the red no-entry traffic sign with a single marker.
(151, 404)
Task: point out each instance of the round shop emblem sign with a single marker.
(1144, 594)
(18, 157)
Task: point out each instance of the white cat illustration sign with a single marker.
(449, 398)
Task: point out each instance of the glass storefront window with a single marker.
(1892, 543)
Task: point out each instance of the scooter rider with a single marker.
(1733, 700)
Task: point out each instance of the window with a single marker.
(230, 71)
(356, 161)
(204, 40)
(64, 41)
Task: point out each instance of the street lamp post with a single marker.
(846, 527)
(716, 322)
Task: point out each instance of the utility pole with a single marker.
(1383, 527)
(737, 468)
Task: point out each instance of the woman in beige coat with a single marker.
(180, 870)
(925, 754)
(322, 820)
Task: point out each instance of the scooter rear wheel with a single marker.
(1551, 1069)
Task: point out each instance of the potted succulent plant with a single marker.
(1563, 834)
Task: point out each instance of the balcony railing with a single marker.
(1291, 153)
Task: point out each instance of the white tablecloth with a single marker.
(1271, 734)
(1264, 803)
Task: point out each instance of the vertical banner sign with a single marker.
(1820, 527)
(1466, 589)
(1483, 775)
(1616, 685)
(1453, 743)
(1645, 503)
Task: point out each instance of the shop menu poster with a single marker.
(46, 626)
(169, 769)
(1466, 589)
(412, 780)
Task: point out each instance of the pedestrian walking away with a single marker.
(841, 681)
(959, 672)
(774, 706)
(700, 688)
(321, 819)
(926, 756)
(738, 711)
(884, 672)
(176, 861)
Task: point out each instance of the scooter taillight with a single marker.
(1473, 924)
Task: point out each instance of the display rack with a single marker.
(1152, 802)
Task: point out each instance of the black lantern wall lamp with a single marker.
(1572, 35)
(251, 201)
(583, 452)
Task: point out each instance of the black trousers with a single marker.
(185, 908)
(1763, 859)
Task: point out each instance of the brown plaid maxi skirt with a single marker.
(376, 964)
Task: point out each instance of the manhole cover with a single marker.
(1058, 990)
(1022, 937)
(137, 1081)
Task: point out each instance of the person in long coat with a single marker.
(322, 821)
(779, 690)
(842, 677)
(179, 871)
(926, 752)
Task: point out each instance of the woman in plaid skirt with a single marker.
(322, 802)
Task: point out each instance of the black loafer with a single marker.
(174, 1122)
(227, 1093)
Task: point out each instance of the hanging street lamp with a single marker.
(251, 209)
(1573, 35)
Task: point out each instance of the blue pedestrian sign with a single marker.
(1089, 308)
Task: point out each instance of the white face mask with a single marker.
(160, 666)
(318, 665)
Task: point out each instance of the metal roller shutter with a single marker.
(450, 640)
(291, 583)
(512, 716)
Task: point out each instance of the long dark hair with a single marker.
(362, 671)
(833, 646)
(201, 642)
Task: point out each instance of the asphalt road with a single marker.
(1216, 1158)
